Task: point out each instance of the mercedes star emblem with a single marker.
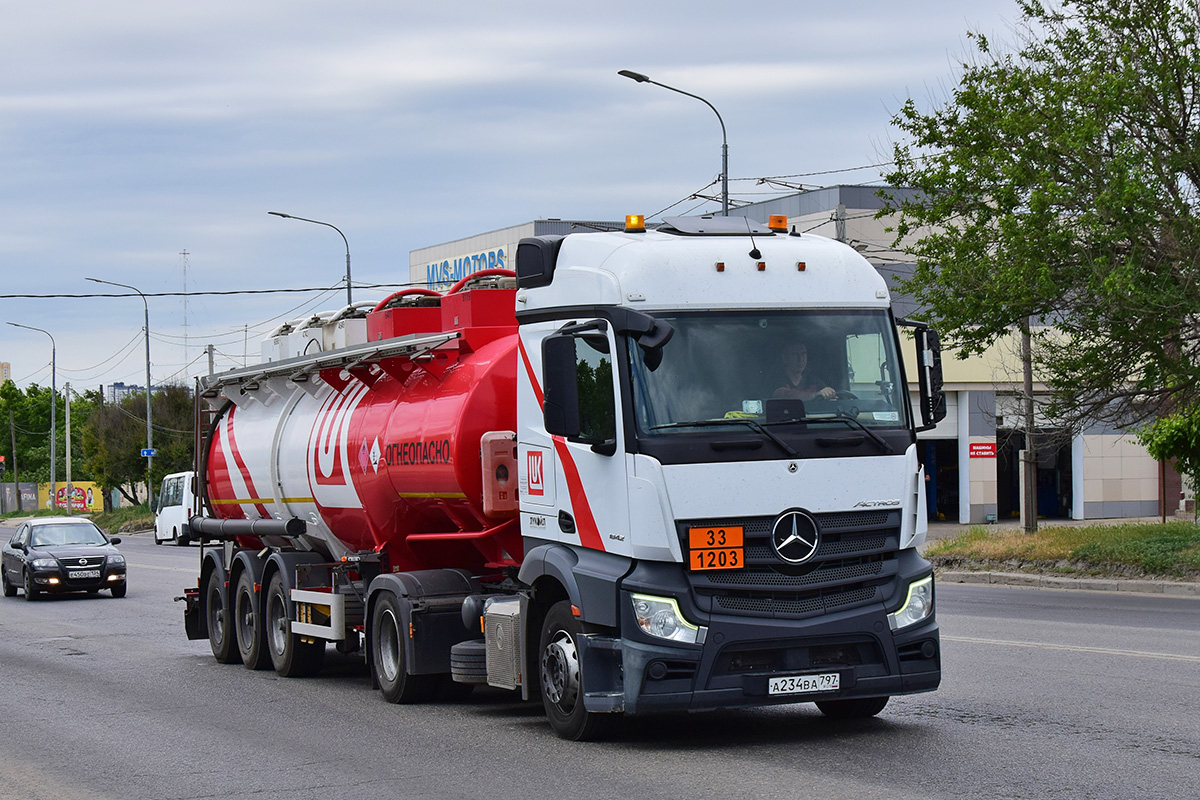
(794, 537)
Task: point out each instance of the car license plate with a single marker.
(83, 573)
(805, 684)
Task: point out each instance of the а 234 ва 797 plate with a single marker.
(805, 684)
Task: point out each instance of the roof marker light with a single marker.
(635, 223)
(777, 223)
(801, 266)
(720, 266)
(762, 266)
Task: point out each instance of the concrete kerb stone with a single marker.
(1170, 588)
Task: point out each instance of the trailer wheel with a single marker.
(220, 635)
(248, 625)
(389, 656)
(290, 654)
(857, 708)
(560, 677)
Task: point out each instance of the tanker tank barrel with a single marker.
(211, 528)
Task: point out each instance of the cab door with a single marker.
(582, 415)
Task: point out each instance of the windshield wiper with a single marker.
(749, 423)
(842, 416)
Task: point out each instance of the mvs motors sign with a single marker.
(443, 274)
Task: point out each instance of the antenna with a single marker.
(754, 251)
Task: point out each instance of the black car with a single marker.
(61, 554)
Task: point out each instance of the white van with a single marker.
(175, 504)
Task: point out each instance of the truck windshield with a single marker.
(772, 369)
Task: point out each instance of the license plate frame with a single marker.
(819, 683)
(80, 574)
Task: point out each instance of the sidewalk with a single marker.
(948, 530)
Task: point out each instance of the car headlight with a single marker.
(117, 560)
(44, 563)
(917, 606)
(660, 617)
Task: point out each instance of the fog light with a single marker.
(52, 581)
(917, 606)
(660, 617)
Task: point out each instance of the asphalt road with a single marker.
(1046, 695)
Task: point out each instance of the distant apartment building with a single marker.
(116, 392)
(5, 371)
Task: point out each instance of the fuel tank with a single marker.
(402, 445)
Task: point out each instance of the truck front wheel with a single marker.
(290, 654)
(560, 676)
(220, 634)
(389, 656)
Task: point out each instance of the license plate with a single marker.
(715, 547)
(805, 684)
(83, 573)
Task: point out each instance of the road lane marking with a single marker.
(1074, 648)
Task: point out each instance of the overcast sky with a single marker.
(134, 130)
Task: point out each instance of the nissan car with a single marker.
(61, 554)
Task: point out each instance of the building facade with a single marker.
(972, 458)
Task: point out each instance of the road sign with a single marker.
(149, 452)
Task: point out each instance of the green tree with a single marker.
(1176, 436)
(1058, 183)
(116, 434)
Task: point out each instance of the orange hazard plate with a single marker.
(716, 548)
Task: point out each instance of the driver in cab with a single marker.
(798, 383)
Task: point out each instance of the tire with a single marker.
(156, 539)
(119, 590)
(179, 539)
(249, 631)
(30, 592)
(560, 677)
(389, 658)
(858, 708)
(9, 589)
(220, 630)
(291, 656)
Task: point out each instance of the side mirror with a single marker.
(929, 370)
(560, 404)
(115, 540)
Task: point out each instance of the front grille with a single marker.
(854, 565)
(82, 562)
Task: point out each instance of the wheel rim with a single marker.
(388, 637)
(28, 585)
(560, 671)
(216, 620)
(277, 623)
(244, 609)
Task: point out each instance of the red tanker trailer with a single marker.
(578, 480)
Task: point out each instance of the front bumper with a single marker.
(635, 673)
(57, 580)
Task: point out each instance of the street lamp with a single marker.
(53, 403)
(349, 298)
(640, 78)
(149, 436)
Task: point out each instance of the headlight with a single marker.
(117, 560)
(660, 617)
(44, 563)
(917, 606)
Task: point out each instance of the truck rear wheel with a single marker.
(248, 625)
(290, 654)
(560, 676)
(220, 634)
(389, 655)
(857, 708)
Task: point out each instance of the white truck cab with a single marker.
(176, 504)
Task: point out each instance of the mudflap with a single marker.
(193, 621)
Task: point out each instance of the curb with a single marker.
(1168, 588)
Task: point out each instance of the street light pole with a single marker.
(149, 435)
(349, 297)
(640, 78)
(53, 403)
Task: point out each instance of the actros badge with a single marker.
(794, 537)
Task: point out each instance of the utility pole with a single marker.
(67, 392)
(12, 431)
(1029, 454)
(210, 359)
